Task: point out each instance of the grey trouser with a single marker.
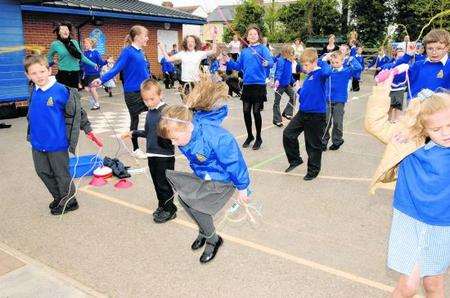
(204, 222)
(289, 109)
(53, 169)
(336, 112)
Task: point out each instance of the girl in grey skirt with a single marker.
(214, 156)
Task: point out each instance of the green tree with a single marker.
(249, 12)
(306, 18)
(371, 19)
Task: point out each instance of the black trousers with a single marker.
(169, 80)
(53, 169)
(164, 191)
(313, 125)
(68, 78)
(355, 84)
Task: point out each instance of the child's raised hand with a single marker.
(126, 135)
(411, 48)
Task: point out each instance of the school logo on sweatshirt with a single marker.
(440, 74)
(50, 102)
(200, 158)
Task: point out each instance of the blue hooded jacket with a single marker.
(213, 153)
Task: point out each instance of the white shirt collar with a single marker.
(51, 82)
(161, 103)
(338, 69)
(136, 47)
(430, 145)
(443, 60)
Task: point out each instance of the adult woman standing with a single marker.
(69, 56)
(298, 48)
(135, 69)
(331, 46)
(190, 57)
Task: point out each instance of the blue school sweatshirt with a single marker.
(95, 57)
(250, 63)
(399, 82)
(46, 118)
(425, 74)
(379, 61)
(337, 83)
(361, 61)
(166, 66)
(283, 72)
(134, 66)
(214, 67)
(422, 190)
(213, 152)
(312, 93)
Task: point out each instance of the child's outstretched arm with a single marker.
(376, 118)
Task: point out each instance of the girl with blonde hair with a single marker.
(419, 243)
(214, 156)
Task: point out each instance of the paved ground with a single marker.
(324, 238)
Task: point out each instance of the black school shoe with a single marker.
(53, 204)
(4, 125)
(293, 166)
(257, 144)
(164, 216)
(71, 206)
(336, 147)
(309, 177)
(207, 257)
(248, 141)
(198, 243)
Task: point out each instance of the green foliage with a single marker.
(422, 12)
(249, 12)
(306, 18)
(371, 18)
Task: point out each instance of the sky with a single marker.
(209, 5)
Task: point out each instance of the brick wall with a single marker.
(38, 29)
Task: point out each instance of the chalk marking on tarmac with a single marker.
(320, 176)
(256, 246)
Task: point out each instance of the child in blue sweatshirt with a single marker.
(433, 72)
(91, 73)
(398, 87)
(419, 242)
(134, 66)
(379, 61)
(283, 80)
(337, 94)
(55, 118)
(168, 69)
(311, 117)
(214, 156)
(254, 62)
(357, 77)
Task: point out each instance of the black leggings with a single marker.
(257, 106)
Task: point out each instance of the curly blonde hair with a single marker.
(419, 110)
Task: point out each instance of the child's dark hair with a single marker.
(253, 27)
(198, 43)
(34, 59)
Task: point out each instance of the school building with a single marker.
(28, 25)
